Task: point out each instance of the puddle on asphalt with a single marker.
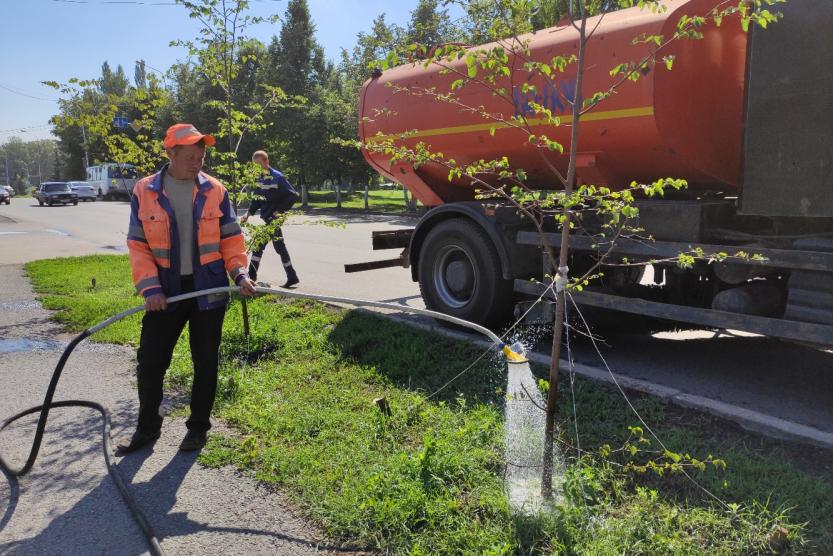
(15, 345)
(119, 248)
(37, 345)
(58, 232)
(19, 305)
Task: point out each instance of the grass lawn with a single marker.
(383, 200)
(428, 478)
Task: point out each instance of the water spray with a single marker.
(514, 354)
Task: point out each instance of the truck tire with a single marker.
(460, 274)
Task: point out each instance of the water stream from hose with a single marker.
(523, 441)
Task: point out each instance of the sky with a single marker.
(57, 39)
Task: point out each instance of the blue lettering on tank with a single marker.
(555, 97)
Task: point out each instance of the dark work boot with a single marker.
(138, 440)
(194, 440)
(291, 275)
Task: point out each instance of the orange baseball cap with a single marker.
(186, 134)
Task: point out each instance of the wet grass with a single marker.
(428, 478)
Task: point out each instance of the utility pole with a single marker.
(8, 179)
(86, 152)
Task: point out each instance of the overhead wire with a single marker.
(26, 129)
(24, 94)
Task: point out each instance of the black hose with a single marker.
(44, 409)
(111, 468)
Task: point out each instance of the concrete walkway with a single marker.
(69, 505)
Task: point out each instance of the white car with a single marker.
(83, 189)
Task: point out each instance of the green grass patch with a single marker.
(87, 290)
(382, 200)
(428, 478)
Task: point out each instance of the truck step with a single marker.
(810, 294)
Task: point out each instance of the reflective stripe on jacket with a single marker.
(274, 194)
(153, 241)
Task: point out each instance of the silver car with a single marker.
(83, 189)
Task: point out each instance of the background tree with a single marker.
(26, 164)
(113, 83)
(296, 64)
(140, 79)
(429, 25)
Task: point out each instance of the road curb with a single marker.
(748, 419)
(757, 422)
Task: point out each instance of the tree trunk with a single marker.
(561, 283)
(366, 196)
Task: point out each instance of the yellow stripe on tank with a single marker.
(592, 116)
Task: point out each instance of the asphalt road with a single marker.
(783, 380)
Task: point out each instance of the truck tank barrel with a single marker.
(685, 122)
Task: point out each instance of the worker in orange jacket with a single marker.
(183, 237)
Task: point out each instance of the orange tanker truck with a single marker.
(745, 118)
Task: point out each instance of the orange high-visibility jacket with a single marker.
(153, 241)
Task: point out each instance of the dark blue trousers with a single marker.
(280, 248)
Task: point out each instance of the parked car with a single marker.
(55, 193)
(8, 188)
(4, 196)
(83, 189)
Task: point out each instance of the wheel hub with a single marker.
(455, 277)
(459, 277)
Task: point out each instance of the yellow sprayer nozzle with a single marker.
(513, 357)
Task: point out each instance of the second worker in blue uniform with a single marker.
(274, 196)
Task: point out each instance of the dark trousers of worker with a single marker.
(160, 332)
(280, 247)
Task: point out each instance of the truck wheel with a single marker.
(460, 274)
